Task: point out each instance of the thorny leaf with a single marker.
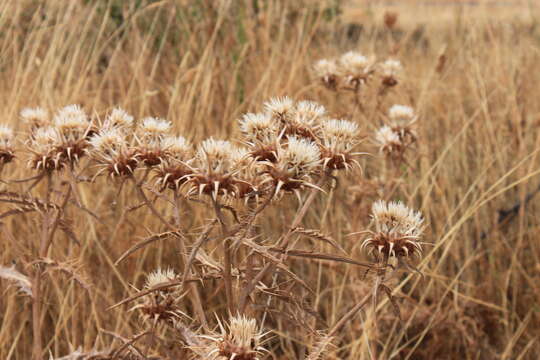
(147, 241)
(317, 235)
(264, 251)
(320, 256)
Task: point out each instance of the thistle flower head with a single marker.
(108, 142)
(177, 147)
(158, 277)
(6, 143)
(215, 169)
(35, 117)
(327, 71)
(389, 141)
(174, 170)
(259, 128)
(154, 128)
(340, 130)
(338, 139)
(6, 136)
(216, 156)
(150, 137)
(391, 68)
(118, 118)
(43, 145)
(401, 113)
(162, 304)
(44, 139)
(112, 152)
(73, 128)
(309, 111)
(72, 123)
(280, 108)
(240, 341)
(355, 65)
(301, 157)
(297, 161)
(397, 230)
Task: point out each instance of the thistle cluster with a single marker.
(59, 143)
(292, 143)
(397, 231)
(399, 134)
(353, 70)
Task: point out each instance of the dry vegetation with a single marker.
(281, 250)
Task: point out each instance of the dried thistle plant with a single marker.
(397, 231)
(160, 305)
(240, 339)
(399, 135)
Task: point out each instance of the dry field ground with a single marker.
(73, 245)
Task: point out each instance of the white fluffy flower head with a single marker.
(155, 127)
(340, 130)
(35, 116)
(259, 127)
(395, 217)
(45, 138)
(108, 142)
(300, 157)
(243, 332)
(279, 108)
(6, 136)
(216, 155)
(308, 112)
(325, 69)
(118, 118)
(401, 113)
(177, 146)
(72, 122)
(355, 64)
(159, 276)
(385, 136)
(391, 68)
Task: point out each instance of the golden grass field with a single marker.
(471, 73)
